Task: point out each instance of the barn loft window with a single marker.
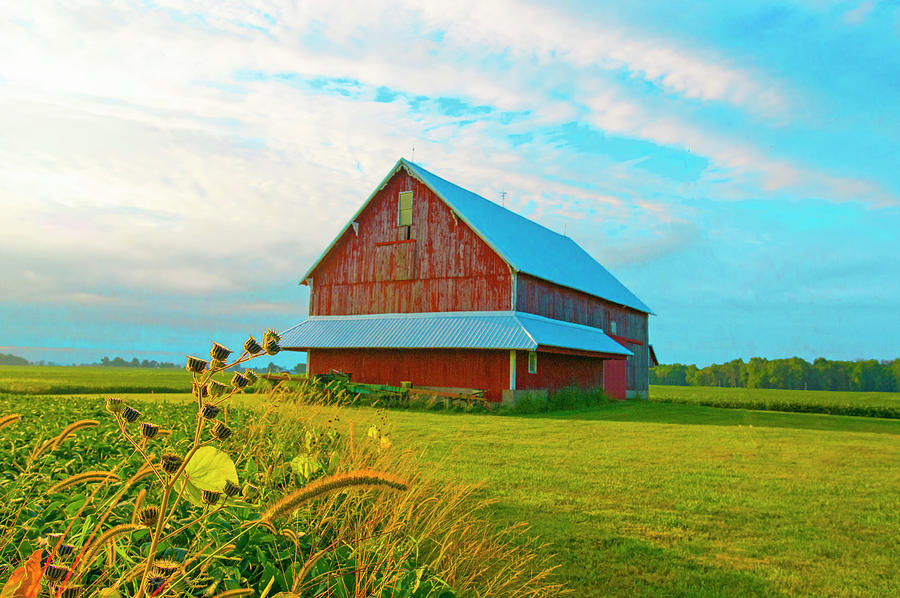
(404, 208)
(532, 362)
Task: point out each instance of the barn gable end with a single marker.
(439, 265)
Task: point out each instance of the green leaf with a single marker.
(208, 469)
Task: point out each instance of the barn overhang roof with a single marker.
(448, 330)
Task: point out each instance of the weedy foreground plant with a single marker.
(166, 516)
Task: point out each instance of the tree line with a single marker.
(134, 362)
(794, 373)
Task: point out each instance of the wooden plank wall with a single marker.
(460, 368)
(546, 299)
(444, 265)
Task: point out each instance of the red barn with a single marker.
(433, 284)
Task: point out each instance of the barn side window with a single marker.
(404, 208)
(532, 362)
(612, 327)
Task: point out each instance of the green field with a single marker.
(870, 404)
(39, 380)
(643, 498)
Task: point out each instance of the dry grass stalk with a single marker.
(231, 593)
(71, 429)
(82, 478)
(333, 483)
(138, 501)
(8, 420)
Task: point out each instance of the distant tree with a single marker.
(10, 359)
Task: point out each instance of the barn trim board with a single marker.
(464, 285)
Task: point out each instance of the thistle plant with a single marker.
(201, 474)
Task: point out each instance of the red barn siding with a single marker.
(444, 266)
(543, 298)
(460, 368)
(556, 371)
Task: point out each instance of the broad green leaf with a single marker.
(208, 469)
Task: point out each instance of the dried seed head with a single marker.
(166, 567)
(148, 516)
(239, 381)
(72, 592)
(149, 430)
(65, 549)
(55, 572)
(251, 346)
(113, 404)
(211, 497)
(219, 352)
(196, 365)
(210, 411)
(250, 492)
(270, 335)
(251, 376)
(52, 539)
(231, 489)
(221, 431)
(216, 364)
(171, 462)
(216, 389)
(154, 583)
(272, 347)
(130, 414)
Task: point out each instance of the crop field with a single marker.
(633, 498)
(35, 380)
(869, 404)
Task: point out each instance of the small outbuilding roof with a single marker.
(524, 244)
(447, 330)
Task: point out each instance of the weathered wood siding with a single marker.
(543, 298)
(458, 368)
(442, 265)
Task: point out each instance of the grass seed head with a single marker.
(216, 389)
(211, 497)
(149, 430)
(114, 404)
(130, 414)
(8, 420)
(148, 516)
(252, 347)
(219, 352)
(196, 365)
(221, 431)
(171, 462)
(239, 381)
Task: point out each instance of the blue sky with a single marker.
(168, 170)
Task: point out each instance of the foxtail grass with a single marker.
(71, 429)
(85, 477)
(8, 420)
(93, 551)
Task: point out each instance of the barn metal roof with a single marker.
(447, 330)
(527, 246)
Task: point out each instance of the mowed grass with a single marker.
(871, 404)
(650, 499)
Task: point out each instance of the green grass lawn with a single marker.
(873, 404)
(643, 498)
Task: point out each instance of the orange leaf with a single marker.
(25, 582)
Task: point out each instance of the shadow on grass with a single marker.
(591, 557)
(670, 413)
